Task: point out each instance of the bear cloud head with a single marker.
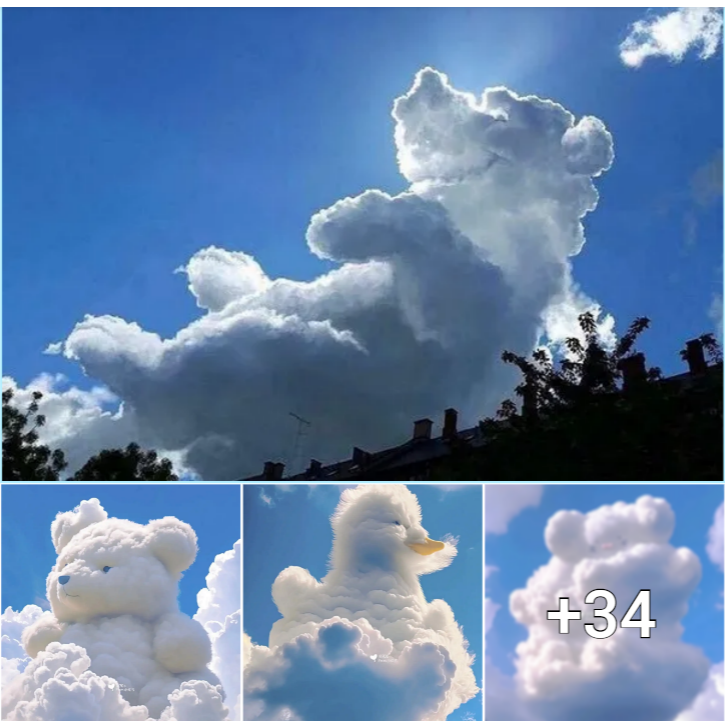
(67, 524)
(109, 566)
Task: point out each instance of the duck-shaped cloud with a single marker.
(372, 600)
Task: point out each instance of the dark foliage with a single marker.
(129, 464)
(579, 421)
(24, 459)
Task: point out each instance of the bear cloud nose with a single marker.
(62, 580)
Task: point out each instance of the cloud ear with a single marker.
(173, 542)
(67, 524)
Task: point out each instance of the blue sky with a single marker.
(27, 512)
(521, 550)
(292, 527)
(133, 138)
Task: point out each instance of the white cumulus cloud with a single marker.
(623, 548)
(715, 542)
(80, 422)
(115, 645)
(673, 35)
(57, 686)
(219, 613)
(14, 658)
(363, 643)
(428, 288)
(708, 705)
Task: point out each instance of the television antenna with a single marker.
(302, 425)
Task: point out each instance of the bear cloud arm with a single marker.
(39, 635)
(181, 644)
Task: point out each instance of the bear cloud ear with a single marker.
(67, 524)
(173, 542)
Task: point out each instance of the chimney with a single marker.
(273, 472)
(314, 469)
(422, 429)
(359, 456)
(695, 357)
(634, 371)
(450, 423)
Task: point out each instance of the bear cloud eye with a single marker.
(106, 569)
(397, 523)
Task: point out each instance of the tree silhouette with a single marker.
(601, 415)
(129, 464)
(24, 459)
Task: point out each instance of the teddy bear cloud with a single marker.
(114, 639)
(363, 642)
(623, 548)
(427, 288)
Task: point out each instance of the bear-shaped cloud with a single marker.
(622, 548)
(115, 615)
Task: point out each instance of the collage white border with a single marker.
(466, 3)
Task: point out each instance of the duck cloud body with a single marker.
(366, 639)
(113, 592)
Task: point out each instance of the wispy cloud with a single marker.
(715, 313)
(673, 35)
(715, 542)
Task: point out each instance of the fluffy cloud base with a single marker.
(429, 287)
(673, 35)
(344, 669)
(363, 643)
(566, 677)
(57, 685)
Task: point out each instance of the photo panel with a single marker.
(604, 602)
(363, 602)
(376, 270)
(121, 602)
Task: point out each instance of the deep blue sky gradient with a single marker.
(27, 512)
(135, 137)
